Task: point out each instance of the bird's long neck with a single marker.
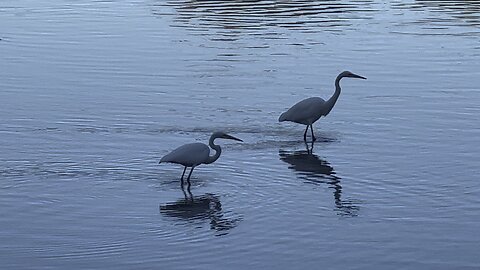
(333, 99)
(215, 147)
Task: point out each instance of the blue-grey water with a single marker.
(93, 93)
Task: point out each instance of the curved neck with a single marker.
(333, 99)
(215, 147)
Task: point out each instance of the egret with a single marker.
(309, 110)
(194, 154)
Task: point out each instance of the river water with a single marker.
(93, 93)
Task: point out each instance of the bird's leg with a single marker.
(184, 169)
(305, 134)
(313, 136)
(184, 193)
(190, 174)
(181, 182)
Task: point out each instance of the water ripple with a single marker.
(195, 210)
(95, 92)
(313, 169)
(231, 16)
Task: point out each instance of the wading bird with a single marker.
(309, 110)
(194, 154)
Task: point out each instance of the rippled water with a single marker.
(93, 93)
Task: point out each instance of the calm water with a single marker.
(93, 93)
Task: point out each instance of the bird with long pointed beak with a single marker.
(194, 154)
(309, 110)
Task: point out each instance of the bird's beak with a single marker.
(357, 76)
(231, 138)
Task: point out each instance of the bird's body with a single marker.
(189, 155)
(305, 112)
(194, 154)
(309, 110)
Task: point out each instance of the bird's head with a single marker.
(350, 75)
(223, 135)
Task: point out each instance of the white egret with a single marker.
(194, 154)
(309, 110)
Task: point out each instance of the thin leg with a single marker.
(313, 136)
(190, 174)
(184, 169)
(305, 134)
(184, 193)
(181, 182)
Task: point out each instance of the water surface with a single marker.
(93, 93)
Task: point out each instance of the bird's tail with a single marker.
(163, 159)
(282, 117)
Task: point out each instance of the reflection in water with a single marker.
(313, 169)
(261, 14)
(206, 207)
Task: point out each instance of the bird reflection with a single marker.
(205, 207)
(313, 169)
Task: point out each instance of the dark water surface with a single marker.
(93, 93)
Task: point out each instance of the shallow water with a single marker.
(93, 93)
